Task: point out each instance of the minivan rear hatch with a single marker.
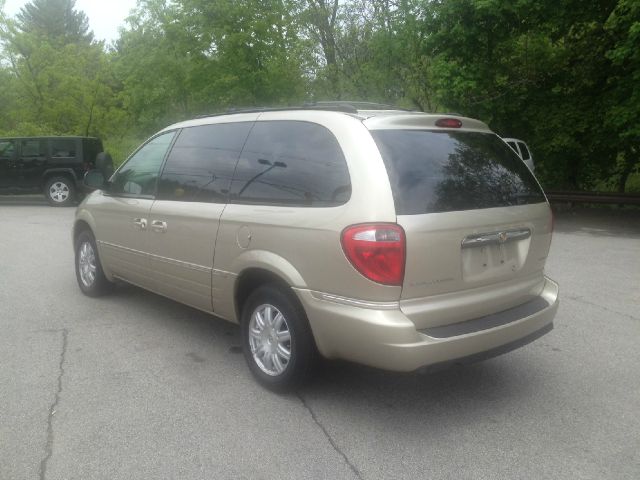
(477, 224)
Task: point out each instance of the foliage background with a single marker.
(563, 75)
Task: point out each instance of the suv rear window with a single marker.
(444, 171)
(63, 148)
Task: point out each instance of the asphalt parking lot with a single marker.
(136, 386)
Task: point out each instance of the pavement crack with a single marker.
(329, 438)
(53, 407)
(587, 302)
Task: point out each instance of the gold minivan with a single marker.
(394, 239)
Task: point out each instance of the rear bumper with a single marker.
(380, 335)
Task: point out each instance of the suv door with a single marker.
(184, 219)
(7, 163)
(122, 214)
(32, 162)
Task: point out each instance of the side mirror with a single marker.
(104, 163)
(94, 179)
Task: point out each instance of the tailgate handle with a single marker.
(495, 238)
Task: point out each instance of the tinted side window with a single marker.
(524, 150)
(201, 163)
(63, 148)
(291, 163)
(138, 176)
(33, 147)
(7, 149)
(443, 171)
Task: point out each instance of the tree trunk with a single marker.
(630, 162)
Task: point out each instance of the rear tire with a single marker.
(60, 191)
(277, 341)
(89, 273)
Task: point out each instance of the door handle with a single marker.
(159, 226)
(141, 223)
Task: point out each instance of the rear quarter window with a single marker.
(443, 171)
(64, 148)
(291, 163)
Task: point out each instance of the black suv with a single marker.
(52, 165)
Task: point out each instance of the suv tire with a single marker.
(276, 338)
(89, 273)
(60, 191)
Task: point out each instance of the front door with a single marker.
(122, 213)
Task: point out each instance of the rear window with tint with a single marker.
(444, 171)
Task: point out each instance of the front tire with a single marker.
(277, 341)
(60, 191)
(89, 273)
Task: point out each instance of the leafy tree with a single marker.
(60, 80)
(623, 89)
(537, 70)
(56, 20)
(564, 75)
(177, 60)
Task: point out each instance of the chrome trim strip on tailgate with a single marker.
(495, 238)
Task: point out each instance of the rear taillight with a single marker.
(376, 251)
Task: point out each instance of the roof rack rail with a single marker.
(358, 105)
(331, 106)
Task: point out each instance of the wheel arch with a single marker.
(84, 222)
(252, 278)
(259, 267)
(58, 172)
(80, 226)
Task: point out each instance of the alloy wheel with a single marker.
(59, 192)
(270, 340)
(87, 264)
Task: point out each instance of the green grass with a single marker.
(121, 148)
(633, 183)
